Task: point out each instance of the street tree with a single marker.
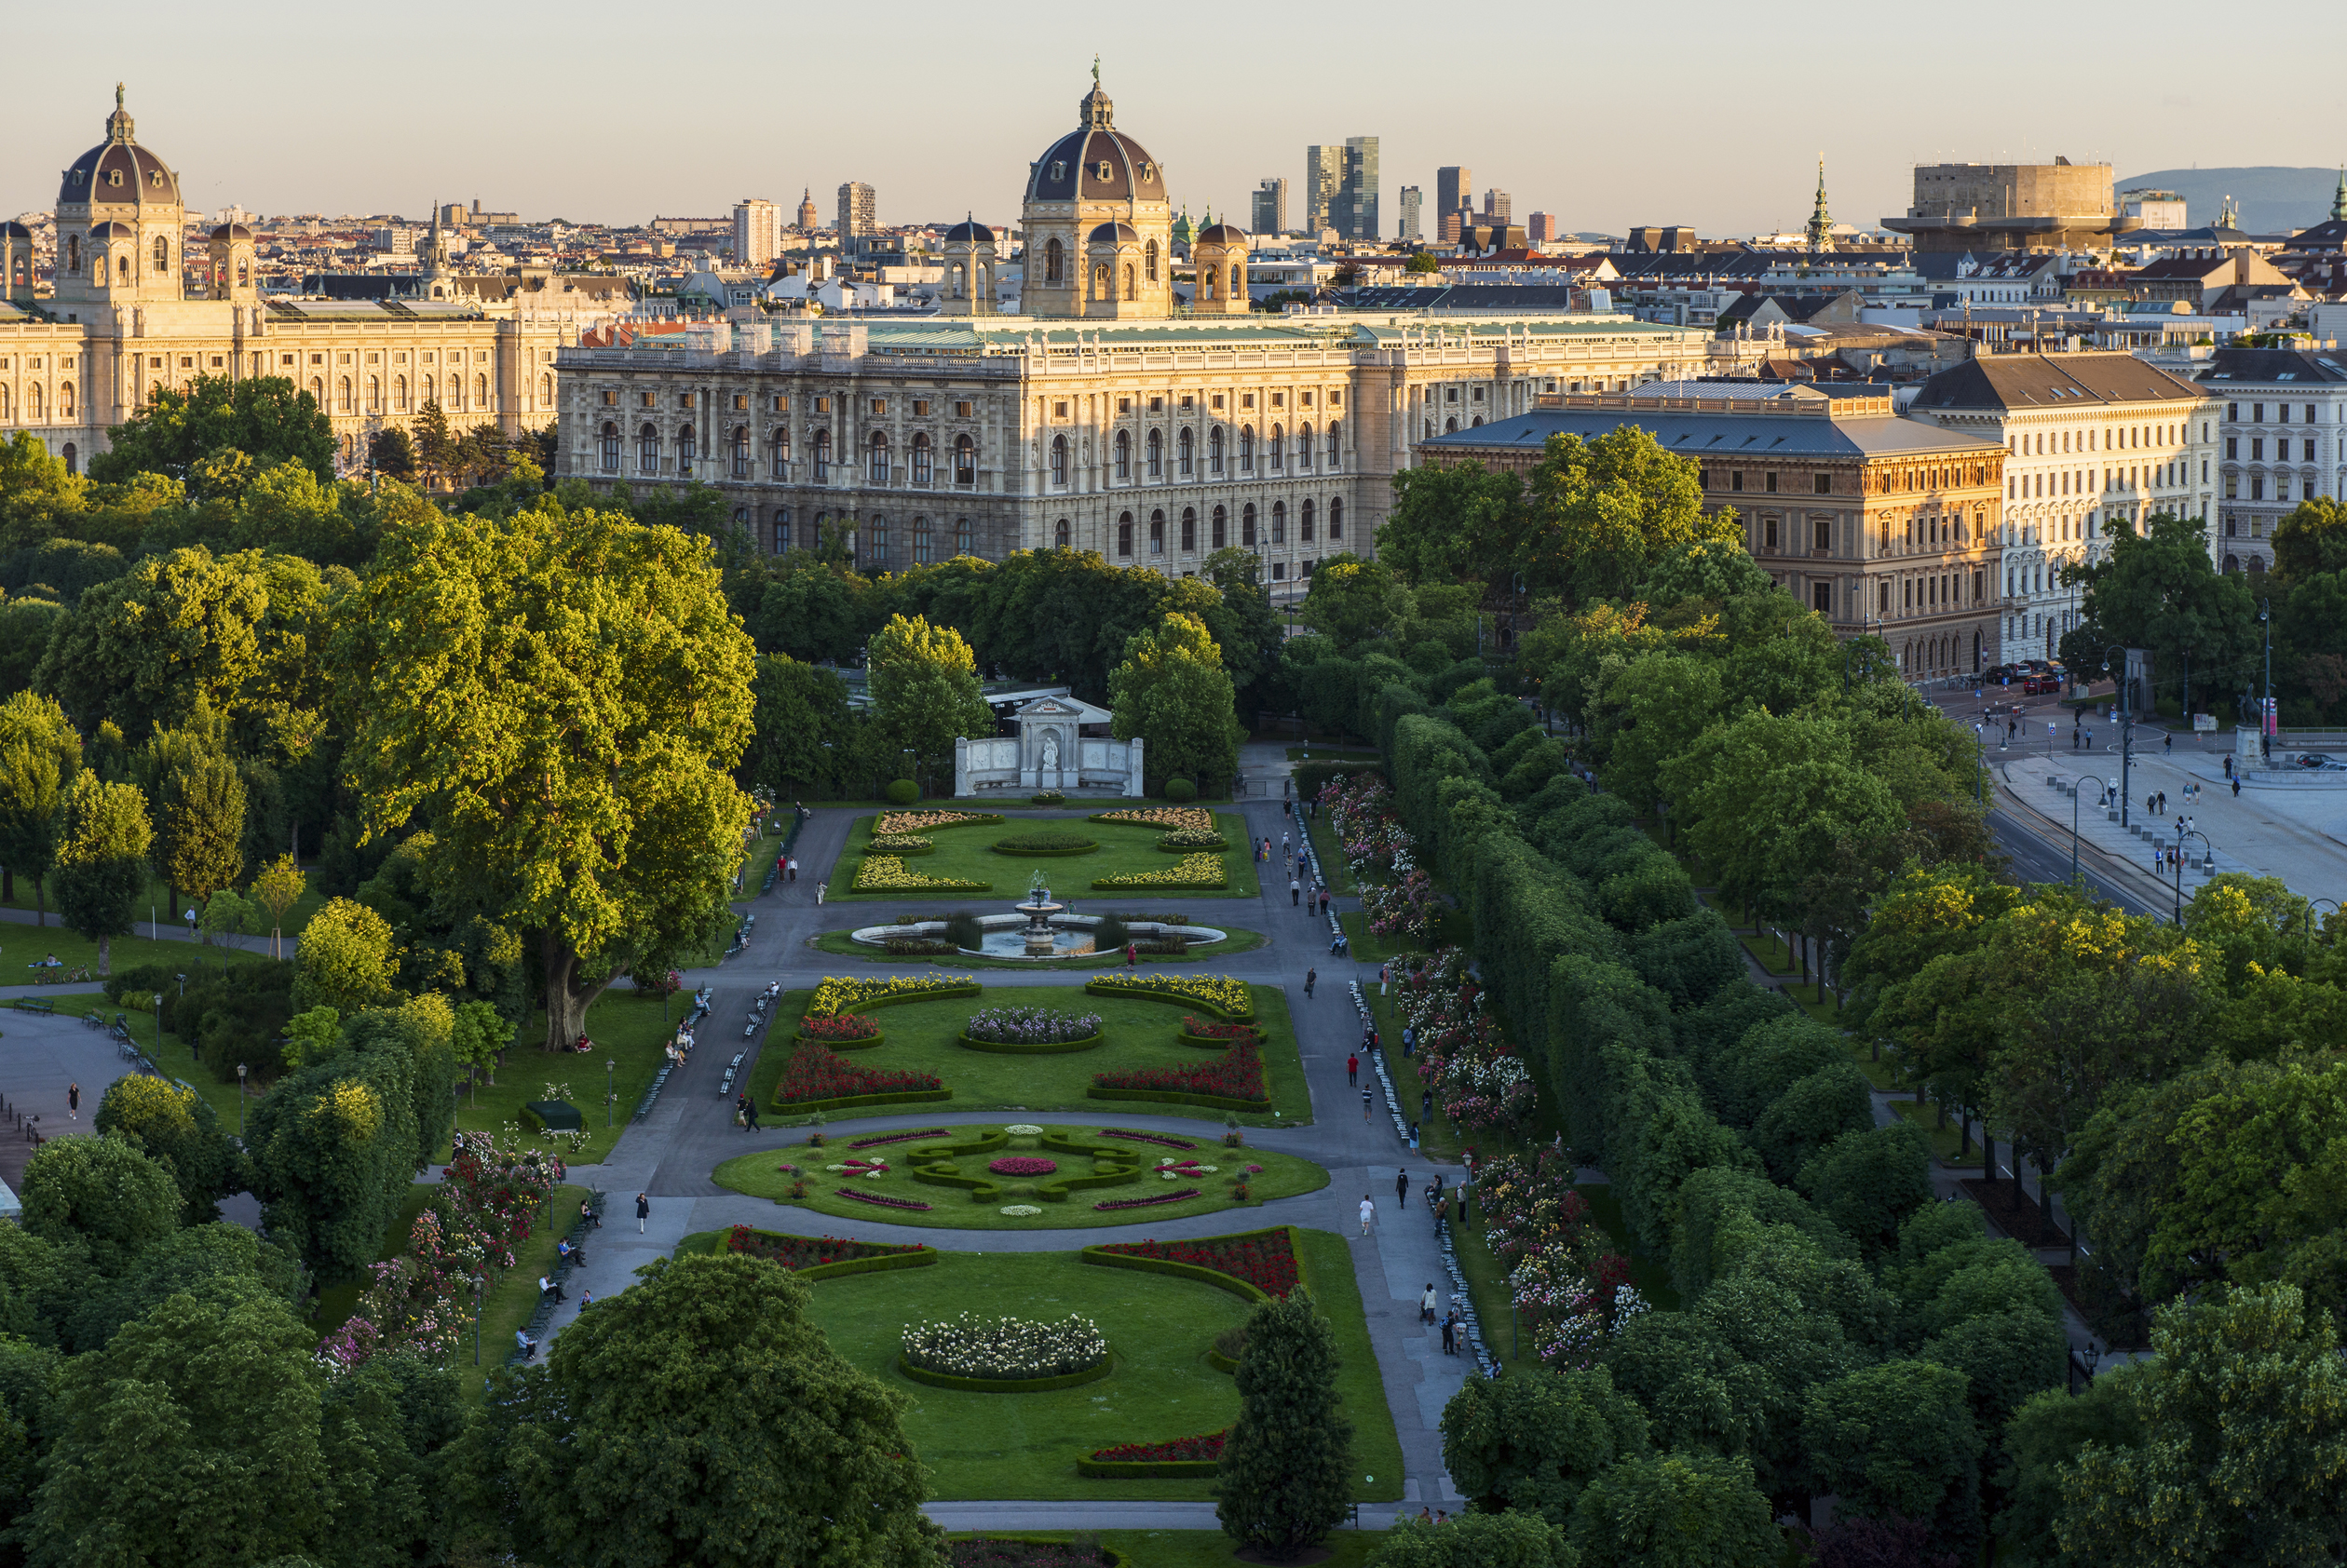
(348, 959)
(1174, 692)
(1286, 1477)
(2159, 588)
(103, 836)
(277, 888)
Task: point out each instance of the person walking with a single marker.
(1287, 808)
(1295, 893)
(2168, 744)
(1311, 978)
(819, 893)
(73, 1101)
(644, 1211)
(750, 1109)
(1409, 1040)
(1323, 899)
(794, 867)
(2229, 766)
(741, 1110)
(1426, 1305)
(1401, 1188)
(1450, 1338)
(2236, 788)
(1365, 1104)
(1133, 959)
(1368, 1214)
(1284, 847)
(1385, 973)
(1352, 1071)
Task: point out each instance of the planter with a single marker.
(552, 1115)
(877, 1040)
(895, 1097)
(1177, 1097)
(1011, 1047)
(1007, 1385)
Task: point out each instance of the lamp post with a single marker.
(2306, 948)
(2101, 784)
(2265, 711)
(2189, 832)
(611, 1082)
(2127, 729)
(241, 1100)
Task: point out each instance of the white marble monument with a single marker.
(1050, 752)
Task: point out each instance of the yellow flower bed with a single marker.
(837, 995)
(1228, 996)
(888, 873)
(929, 821)
(1167, 817)
(1191, 871)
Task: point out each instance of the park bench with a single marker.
(27, 1005)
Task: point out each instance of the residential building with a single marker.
(1498, 207)
(1542, 228)
(2157, 210)
(859, 215)
(1356, 213)
(2090, 438)
(2282, 423)
(757, 237)
(2214, 285)
(1324, 179)
(1880, 524)
(1412, 230)
(2060, 205)
(1454, 190)
(1271, 207)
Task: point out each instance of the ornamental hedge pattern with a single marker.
(1207, 1446)
(1238, 1076)
(1031, 1026)
(1173, 818)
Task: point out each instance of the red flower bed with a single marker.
(882, 1202)
(1236, 1076)
(1023, 1165)
(897, 1138)
(1266, 1262)
(1201, 1030)
(1146, 1202)
(1206, 1445)
(816, 1073)
(843, 1026)
(805, 1252)
(1148, 1138)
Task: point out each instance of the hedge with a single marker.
(1129, 883)
(1176, 1097)
(1015, 846)
(896, 1097)
(1221, 1362)
(1160, 1469)
(552, 1115)
(1021, 1047)
(1099, 1257)
(879, 1038)
(1205, 1042)
(936, 995)
(984, 1143)
(1109, 1556)
(1104, 986)
(1007, 1385)
(921, 1259)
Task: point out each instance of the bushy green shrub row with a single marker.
(1005, 1386)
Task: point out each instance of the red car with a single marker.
(2040, 686)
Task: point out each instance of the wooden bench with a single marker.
(27, 1005)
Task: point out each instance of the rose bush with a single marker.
(845, 1026)
(1236, 1076)
(1267, 1262)
(1024, 1165)
(1005, 1348)
(815, 1073)
(1206, 1446)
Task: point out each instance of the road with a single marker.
(2041, 859)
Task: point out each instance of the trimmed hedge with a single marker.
(1129, 882)
(1204, 1042)
(1175, 1096)
(1009, 1047)
(878, 1039)
(1104, 985)
(1204, 847)
(984, 1143)
(1214, 1277)
(552, 1115)
(1109, 1556)
(1007, 1385)
(897, 1097)
(896, 998)
(1221, 1362)
(1160, 1469)
(1045, 848)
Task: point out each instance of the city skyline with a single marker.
(427, 117)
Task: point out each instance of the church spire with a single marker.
(2339, 197)
(1820, 232)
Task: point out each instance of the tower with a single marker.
(1820, 232)
(2339, 197)
(1220, 254)
(438, 280)
(228, 269)
(1098, 225)
(807, 216)
(118, 220)
(970, 271)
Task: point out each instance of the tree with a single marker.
(1897, 1440)
(478, 1038)
(174, 636)
(1286, 1465)
(277, 888)
(1868, 1181)
(435, 446)
(2042, 1441)
(103, 1192)
(392, 452)
(1174, 692)
(311, 1036)
(39, 755)
(1770, 797)
(697, 1418)
(333, 1147)
(1351, 600)
(2243, 1407)
(1599, 515)
(177, 1128)
(199, 813)
(561, 694)
(101, 873)
(1532, 1443)
(925, 691)
(1509, 1540)
(1451, 521)
(800, 722)
(1422, 261)
(2312, 540)
(348, 959)
(1675, 1510)
(266, 418)
(2161, 589)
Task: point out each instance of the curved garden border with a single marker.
(1147, 1469)
(1114, 1167)
(1102, 985)
(1218, 846)
(880, 1263)
(1007, 1385)
(1109, 1556)
(1021, 1047)
(879, 1038)
(1100, 1257)
(1210, 1042)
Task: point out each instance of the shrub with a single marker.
(903, 792)
(837, 995)
(900, 843)
(1220, 992)
(1194, 872)
(844, 1027)
(919, 947)
(1005, 1348)
(1110, 932)
(1048, 797)
(929, 821)
(1045, 845)
(1238, 1074)
(963, 930)
(1207, 1446)
(1266, 1260)
(1181, 792)
(809, 1251)
(1023, 1165)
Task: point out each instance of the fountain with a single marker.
(1041, 928)
(1039, 937)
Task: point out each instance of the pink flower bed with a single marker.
(1147, 1202)
(882, 1199)
(1023, 1165)
(897, 1138)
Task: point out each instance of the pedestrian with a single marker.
(2168, 744)
(2090, 740)
(1295, 893)
(585, 1299)
(794, 867)
(1442, 1516)
(2228, 767)
(750, 1109)
(1369, 1212)
(73, 1101)
(1352, 1070)
(741, 1110)
(1132, 960)
(1426, 1516)
(1450, 1338)
(2236, 788)
(1401, 1188)
(1414, 1126)
(1426, 1305)
(819, 893)
(1311, 978)
(1409, 1040)
(1384, 973)
(1284, 847)
(644, 1211)
(1365, 1103)
(1461, 1190)
(1287, 808)
(1324, 900)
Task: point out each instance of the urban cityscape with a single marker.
(1803, 759)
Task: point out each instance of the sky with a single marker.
(1697, 113)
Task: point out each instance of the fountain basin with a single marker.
(1015, 936)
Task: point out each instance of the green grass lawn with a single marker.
(967, 854)
(1201, 1549)
(1332, 856)
(922, 1036)
(22, 946)
(627, 1031)
(1025, 1445)
(846, 946)
(1283, 1176)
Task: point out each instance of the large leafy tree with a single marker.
(104, 1192)
(699, 1418)
(925, 691)
(1286, 1466)
(560, 695)
(102, 834)
(176, 635)
(1770, 797)
(1507, 1540)
(1351, 600)
(1173, 691)
(2159, 590)
(176, 1127)
(1599, 515)
(334, 1147)
(39, 755)
(1532, 1443)
(1897, 1440)
(1452, 521)
(265, 417)
(801, 721)
(1676, 1511)
(348, 959)
(199, 801)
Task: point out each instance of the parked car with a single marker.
(1996, 674)
(2040, 686)
(2316, 760)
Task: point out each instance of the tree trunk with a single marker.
(40, 900)
(568, 997)
(8, 884)
(105, 956)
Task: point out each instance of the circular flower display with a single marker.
(1023, 1165)
(1022, 1129)
(1020, 1211)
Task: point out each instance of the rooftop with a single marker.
(1818, 424)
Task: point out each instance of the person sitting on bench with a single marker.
(548, 1288)
(528, 1346)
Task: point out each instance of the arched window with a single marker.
(1124, 455)
(1157, 455)
(73, 459)
(1182, 452)
(1278, 447)
(481, 392)
(1059, 533)
(122, 268)
(1238, 282)
(1131, 292)
(607, 443)
(683, 449)
(742, 452)
(73, 253)
(546, 391)
(399, 394)
(1304, 446)
(244, 273)
(1151, 260)
(780, 440)
(954, 290)
(1335, 519)
(456, 392)
(1279, 522)
(318, 393)
(32, 401)
(876, 464)
(1472, 422)
(1336, 448)
(1247, 526)
(876, 536)
(924, 461)
(1189, 528)
(920, 541)
(648, 451)
(1053, 262)
(374, 394)
(4, 399)
(1206, 285)
(430, 391)
(1100, 285)
(1156, 533)
(781, 529)
(1124, 535)
(1220, 533)
(1450, 424)
(1304, 523)
(1246, 449)
(822, 457)
(965, 460)
(162, 253)
(1059, 460)
(961, 534)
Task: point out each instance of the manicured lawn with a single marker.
(1283, 1176)
(966, 853)
(846, 946)
(1025, 1445)
(1331, 856)
(22, 946)
(923, 1036)
(626, 1030)
(1203, 1548)
(158, 898)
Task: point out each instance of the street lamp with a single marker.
(2306, 948)
(611, 1083)
(2189, 832)
(240, 1099)
(2102, 785)
(2127, 729)
(2265, 712)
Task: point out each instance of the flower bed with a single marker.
(1219, 993)
(889, 873)
(1463, 1055)
(796, 1253)
(1024, 1165)
(1044, 846)
(1031, 1026)
(1570, 1290)
(882, 1199)
(1158, 1138)
(845, 1028)
(835, 997)
(1238, 1076)
(1173, 818)
(1207, 1446)
(1192, 838)
(814, 1074)
(898, 1138)
(892, 822)
(1181, 1197)
(1265, 1258)
(900, 843)
(1194, 872)
(1173, 1169)
(1216, 1035)
(1004, 1349)
(1018, 1551)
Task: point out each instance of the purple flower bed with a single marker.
(882, 1202)
(1031, 1026)
(897, 1138)
(1143, 1202)
(1148, 1138)
(1023, 1165)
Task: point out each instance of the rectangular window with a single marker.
(962, 410)
(1769, 532)
(2233, 446)
(684, 400)
(1735, 479)
(1822, 597)
(1279, 570)
(2256, 414)
(1059, 411)
(1821, 533)
(921, 408)
(781, 403)
(1772, 482)
(1124, 405)
(822, 405)
(879, 405)
(1825, 484)
(741, 400)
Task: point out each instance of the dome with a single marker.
(120, 169)
(1113, 234)
(974, 233)
(1095, 161)
(113, 231)
(1222, 233)
(233, 232)
(13, 230)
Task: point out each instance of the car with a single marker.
(2040, 686)
(2316, 760)
(1998, 674)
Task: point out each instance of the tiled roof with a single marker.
(2043, 381)
(1708, 436)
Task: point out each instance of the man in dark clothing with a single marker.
(644, 1211)
(1402, 1189)
(1311, 978)
(1352, 1070)
(750, 1109)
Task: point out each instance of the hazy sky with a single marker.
(1704, 113)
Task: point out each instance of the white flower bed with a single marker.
(1005, 1347)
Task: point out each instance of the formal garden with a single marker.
(1136, 850)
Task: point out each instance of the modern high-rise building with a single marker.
(1271, 207)
(1540, 227)
(1356, 214)
(1411, 202)
(1324, 175)
(1454, 190)
(1497, 205)
(859, 214)
(807, 216)
(1447, 224)
(757, 237)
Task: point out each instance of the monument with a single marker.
(1051, 752)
